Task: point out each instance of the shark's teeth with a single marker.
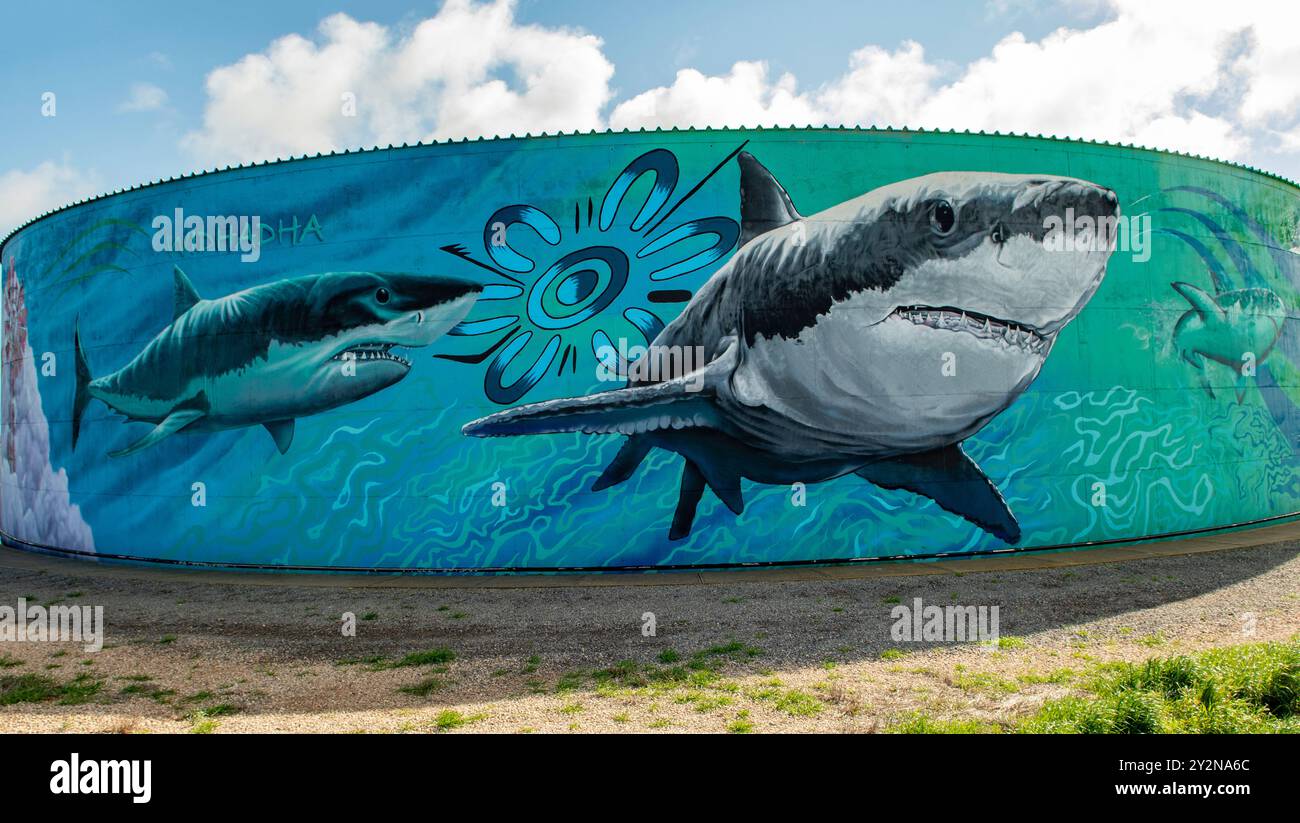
(980, 325)
(369, 352)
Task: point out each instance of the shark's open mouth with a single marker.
(980, 325)
(366, 352)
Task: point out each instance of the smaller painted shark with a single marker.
(268, 355)
(1233, 328)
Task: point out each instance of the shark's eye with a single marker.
(942, 218)
(381, 296)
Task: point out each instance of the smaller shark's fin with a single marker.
(184, 295)
(951, 479)
(173, 423)
(1201, 300)
(687, 501)
(672, 404)
(629, 457)
(1205, 384)
(282, 432)
(81, 397)
(764, 203)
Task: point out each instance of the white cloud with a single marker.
(742, 97)
(144, 97)
(1158, 72)
(1197, 75)
(471, 69)
(30, 192)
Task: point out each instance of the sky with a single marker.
(143, 90)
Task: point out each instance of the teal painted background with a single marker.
(390, 482)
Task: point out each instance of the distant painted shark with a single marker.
(273, 353)
(1234, 328)
(826, 339)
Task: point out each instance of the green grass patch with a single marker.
(798, 704)
(424, 688)
(37, 688)
(449, 719)
(920, 723)
(430, 657)
(1241, 689)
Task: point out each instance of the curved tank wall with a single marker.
(664, 350)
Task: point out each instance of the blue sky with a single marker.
(135, 102)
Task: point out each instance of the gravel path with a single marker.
(185, 653)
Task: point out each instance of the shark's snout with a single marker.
(1044, 204)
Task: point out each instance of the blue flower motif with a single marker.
(588, 292)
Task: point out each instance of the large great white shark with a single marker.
(871, 338)
(273, 353)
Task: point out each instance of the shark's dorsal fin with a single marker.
(764, 204)
(183, 294)
(1201, 300)
(951, 479)
(282, 432)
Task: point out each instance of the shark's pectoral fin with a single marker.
(629, 456)
(674, 404)
(764, 203)
(1194, 357)
(951, 479)
(173, 423)
(282, 432)
(688, 499)
(184, 295)
(723, 481)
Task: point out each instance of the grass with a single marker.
(742, 724)
(424, 688)
(449, 719)
(1246, 689)
(1243, 689)
(7, 662)
(798, 704)
(919, 723)
(428, 657)
(221, 710)
(201, 723)
(38, 688)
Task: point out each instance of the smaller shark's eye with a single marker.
(943, 218)
(381, 295)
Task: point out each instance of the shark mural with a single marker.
(826, 339)
(659, 350)
(273, 353)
